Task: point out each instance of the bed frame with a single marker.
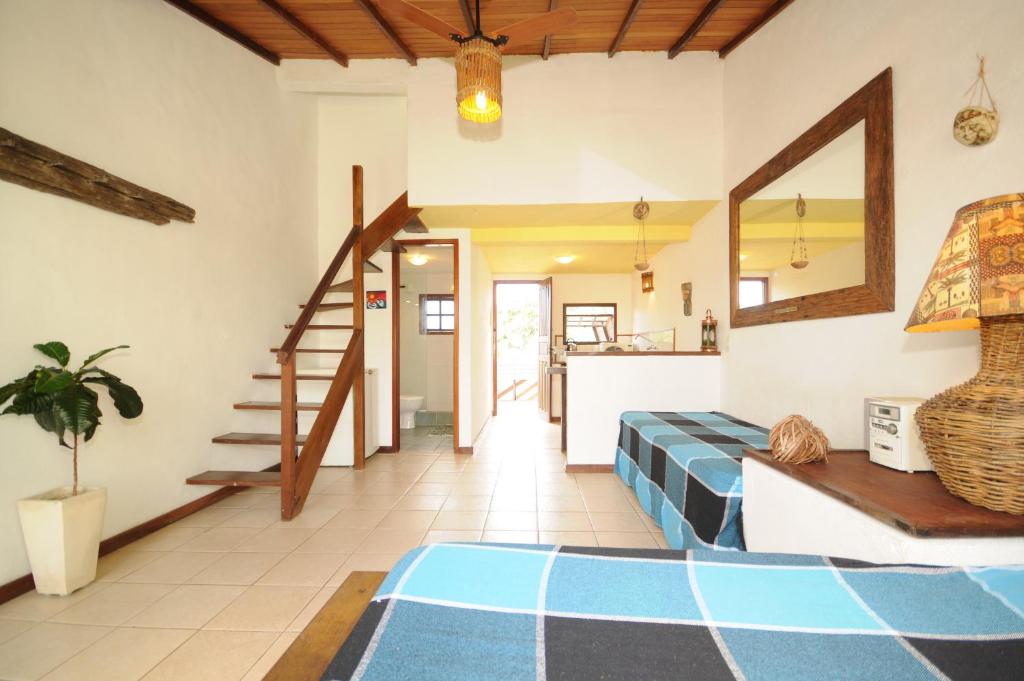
(308, 656)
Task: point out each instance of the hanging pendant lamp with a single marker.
(640, 212)
(798, 254)
(478, 75)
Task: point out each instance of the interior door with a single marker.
(544, 345)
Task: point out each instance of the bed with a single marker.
(475, 612)
(686, 470)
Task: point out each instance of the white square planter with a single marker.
(62, 535)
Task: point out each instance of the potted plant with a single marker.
(62, 527)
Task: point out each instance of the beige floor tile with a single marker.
(168, 538)
(273, 654)
(617, 522)
(389, 488)
(464, 489)
(219, 539)
(558, 489)
(514, 502)
(236, 501)
(43, 647)
(11, 628)
(438, 536)
(391, 541)
(238, 568)
(304, 569)
(274, 540)
(213, 656)
(431, 488)
(114, 605)
(568, 538)
(208, 517)
(310, 610)
(310, 517)
(258, 518)
(376, 502)
(407, 520)
(459, 520)
(511, 520)
(614, 503)
(263, 608)
(459, 502)
(649, 523)
(338, 502)
(37, 607)
(420, 503)
(637, 540)
(448, 477)
(510, 536)
(333, 540)
(119, 564)
(659, 537)
(372, 562)
(268, 501)
(357, 519)
(175, 567)
(564, 521)
(187, 607)
(564, 503)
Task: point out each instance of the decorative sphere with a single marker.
(974, 126)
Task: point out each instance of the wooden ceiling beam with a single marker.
(626, 23)
(546, 50)
(202, 16)
(694, 28)
(467, 14)
(305, 30)
(753, 28)
(385, 28)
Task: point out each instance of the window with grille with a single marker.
(589, 323)
(437, 313)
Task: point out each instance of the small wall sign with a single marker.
(376, 300)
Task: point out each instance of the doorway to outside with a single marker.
(516, 343)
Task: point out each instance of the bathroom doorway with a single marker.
(425, 341)
(516, 342)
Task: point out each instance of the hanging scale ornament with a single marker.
(798, 254)
(640, 213)
(976, 124)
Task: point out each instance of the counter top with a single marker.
(649, 353)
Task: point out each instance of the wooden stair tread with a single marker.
(276, 406)
(237, 479)
(298, 377)
(324, 327)
(254, 439)
(341, 287)
(370, 267)
(330, 306)
(319, 351)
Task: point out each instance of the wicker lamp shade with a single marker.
(974, 432)
(478, 81)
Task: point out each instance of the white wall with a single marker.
(780, 82)
(481, 340)
(576, 128)
(838, 268)
(427, 359)
(147, 93)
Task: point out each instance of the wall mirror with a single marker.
(590, 323)
(811, 231)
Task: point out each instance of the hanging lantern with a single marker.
(478, 80)
(640, 212)
(647, 281)
(709, 333)
(798, 254)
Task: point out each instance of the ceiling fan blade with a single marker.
(538, 26)
(419, 17)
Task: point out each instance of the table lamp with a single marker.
(974, 432)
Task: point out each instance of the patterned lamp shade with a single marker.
(980, 268)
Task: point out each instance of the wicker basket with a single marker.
(974, 432)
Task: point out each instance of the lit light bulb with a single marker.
(418, 259)
(481, 100)
(565, 259)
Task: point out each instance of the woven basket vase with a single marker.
(974, 432)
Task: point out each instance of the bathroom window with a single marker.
(590, 322)
(437, 313)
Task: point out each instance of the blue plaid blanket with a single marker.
(686, 470)
(474, 612)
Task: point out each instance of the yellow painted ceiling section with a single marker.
(591, 258)
(818, 210)
(563, 214)
(772, 254)
(812, 230)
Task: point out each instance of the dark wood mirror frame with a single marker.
(873, 105)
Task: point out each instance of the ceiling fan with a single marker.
(478, 55)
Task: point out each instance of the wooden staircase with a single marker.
(301, 455)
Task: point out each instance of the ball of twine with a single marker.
(794, 439)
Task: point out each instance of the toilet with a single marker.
(407, 407)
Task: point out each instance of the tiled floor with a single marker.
(222, 593)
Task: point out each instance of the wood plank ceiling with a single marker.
(358, 29)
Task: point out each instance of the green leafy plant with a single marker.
(62, 402)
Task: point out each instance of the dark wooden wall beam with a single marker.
(388, 31)
(754, 27)
(546, 51)
(305, 30)
(695, 27)
(467, 14)
(626, 23)
(216, 24)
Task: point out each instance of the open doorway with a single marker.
(521, 337)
